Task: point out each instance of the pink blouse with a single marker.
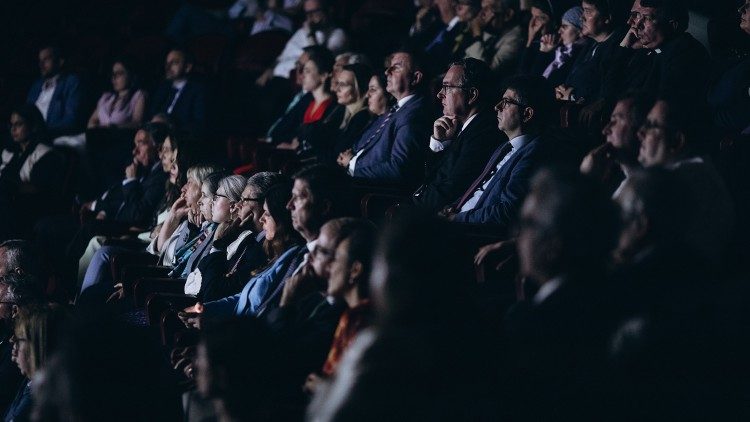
(111, 113)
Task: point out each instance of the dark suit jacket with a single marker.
(499, 204)
(679, 71)
(135, 203)
(190, 109)
(461, 163)
(397, 154)
(287, 126)
(10, 376)
(214, 267)
(64, 115)
(325, 137)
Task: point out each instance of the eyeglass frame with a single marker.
(505, 101)
(445, 87)
(258, 199)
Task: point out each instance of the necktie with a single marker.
(379, 129)
(438, 39)
(488, 172)
(171, 99)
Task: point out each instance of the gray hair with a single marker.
(264, 180)
(20, 254)
(233, 187)
(200, 172)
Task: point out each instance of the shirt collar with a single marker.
(547, 289)
(179, 84)
(452, 23)
(402, 102)
(311, 245)
(519, 141)
(466, 123)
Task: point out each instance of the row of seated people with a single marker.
(615, 305)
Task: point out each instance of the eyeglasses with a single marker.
(637, 16)
(258, 199)
(222, 196)
(505, 102)
(446, 87)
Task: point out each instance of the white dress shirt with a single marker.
(334, 40)
(178, 85)
(516, 144)
(45, 96)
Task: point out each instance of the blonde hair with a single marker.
(200, 172)
(40, 326)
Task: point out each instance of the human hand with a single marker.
(299, 284)
(504, 253)
(345, 157)
(445, 128)
(535, 25)
(631, 40)
(563, 93)
(264, 77)
(191, 316)
(548, 42)
(599, 163)
(101, 215)
(195, 217)
(228, 228)
(132, 170)
(311, 383)
(118, 294)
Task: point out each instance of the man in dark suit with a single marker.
(393, 148)
(497, 194)
(464, 137)
(57, 95)
(557, 338)
(180, 96)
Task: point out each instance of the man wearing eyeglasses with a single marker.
(463, 137)
(658, 56)
(496, 195)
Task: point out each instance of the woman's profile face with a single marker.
(221, 210)
(21, 353)
(120, 77)
(376, 99)
(311, 76)
(19, 130)
(206, 202)
(268, 223)
(165, 155)
(346, 90)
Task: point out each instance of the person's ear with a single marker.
(473, 96)
(678, 142)
(14, 311)
(355, 271)
(189, 68)
(416, 77)
(528, 114)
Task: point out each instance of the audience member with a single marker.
(557, 53)
(238, 245)
(658, 55)
(348, 282)
(671, 137)
(613, 161)
(727, 95)
(181, 96)
(282, 245)
(557, 338)
(423, 321)
(338, 131)
(497, 194)
(58, 95)
(499, 39)
(600, 22)
(125, 104)
(464, 137)
(29, 173)
(541, 23)
(316, 79)
(37, 335)
(392, 150)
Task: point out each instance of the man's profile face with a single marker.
(49, 65)
(593, 22)
(509, 112)
(399, 75)
(144, 150)
(175, 66)
(452, 95)
(620, 132)
(655, 148)
(646, 25)
(314, 13)
(324, 251)
(302, 206)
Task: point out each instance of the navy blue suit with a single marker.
(64, 113)
(190, 109)
(500, 202)
(397, 152)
